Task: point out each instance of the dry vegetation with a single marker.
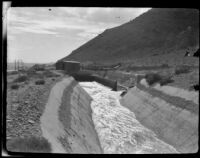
(21, 79)
(39, 82)
(153, 78)
(30, 144)
(14, 86)
(49, 73)
(179, 71)
(25, 104)
(182, 69)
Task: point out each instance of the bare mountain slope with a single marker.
(159, 30)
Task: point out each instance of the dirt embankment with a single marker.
(25, 106)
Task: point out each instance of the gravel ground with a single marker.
(185, 81)
(25, 107)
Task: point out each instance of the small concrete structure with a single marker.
(71, 66)
(59, 65)
(68, 66)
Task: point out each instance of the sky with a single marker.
(43, 35)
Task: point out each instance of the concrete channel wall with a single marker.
(175, 125)
(174, 119)
(76, 116)
(67, 121)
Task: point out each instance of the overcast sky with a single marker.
(48, 34)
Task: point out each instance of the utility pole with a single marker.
(18, 65)
(15, 65)
(22, 64)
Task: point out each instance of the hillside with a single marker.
(156, 32)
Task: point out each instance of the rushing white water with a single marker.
(117, 127)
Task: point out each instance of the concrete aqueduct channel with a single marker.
(87, 117)
(66, 122)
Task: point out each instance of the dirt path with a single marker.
(175, 91)
(51, 127)
(178, 92)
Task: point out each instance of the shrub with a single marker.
(34, 74)
(166, 80)
(12, 72)
(40, 69)
(56, 75)
(14, 86)
(165, 66)
(30, 144)
(31, 72)
(39, 82)
(153, 78)
(182, 69)
(21, 79)
(26, 82)
(194, 87)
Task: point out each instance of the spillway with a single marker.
(118, 129)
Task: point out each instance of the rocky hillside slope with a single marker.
(158, 31)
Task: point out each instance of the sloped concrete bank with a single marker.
(173, 123)
(66, 122)
(76, 116)
(50, 124)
